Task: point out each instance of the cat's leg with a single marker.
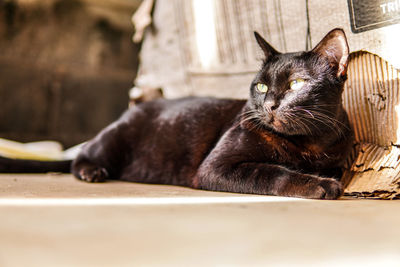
(263, 178)
(240, 162)
(102, 157)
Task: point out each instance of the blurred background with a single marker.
(66, 67)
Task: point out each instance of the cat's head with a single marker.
(300, 93)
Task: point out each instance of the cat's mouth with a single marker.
(281, 125)
(276, 123)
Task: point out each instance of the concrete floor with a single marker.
(55, 220)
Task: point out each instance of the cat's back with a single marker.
(188, 104)
(188, 109)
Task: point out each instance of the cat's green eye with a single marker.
(263, 88)
(296, 84)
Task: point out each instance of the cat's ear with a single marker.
(334, 47)
(266, 47)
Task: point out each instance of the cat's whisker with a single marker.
(328, 121)
(323, 112)
(316, 109)
(318, 105)
(334, 121)
(329, 124)
(248, 118)
(257, 124)
(309, 113)
(250, 115)
(304, 125)
(298, 123)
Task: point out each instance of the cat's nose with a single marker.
(270, 105)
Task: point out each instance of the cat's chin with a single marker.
(283, 129)
(278, 127)
(280, 130)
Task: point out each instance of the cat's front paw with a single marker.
(93, 174)
(310, 186)
(325, 188)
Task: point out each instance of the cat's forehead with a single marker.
(286, 65)
(287, 61)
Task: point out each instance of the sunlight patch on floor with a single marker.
(141, 201)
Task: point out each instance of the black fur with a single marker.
(282, 142)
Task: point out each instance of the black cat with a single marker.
(286, 139)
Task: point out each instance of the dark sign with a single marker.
(372, 14)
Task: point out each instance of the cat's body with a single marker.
(162, 141)
(290, 138)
